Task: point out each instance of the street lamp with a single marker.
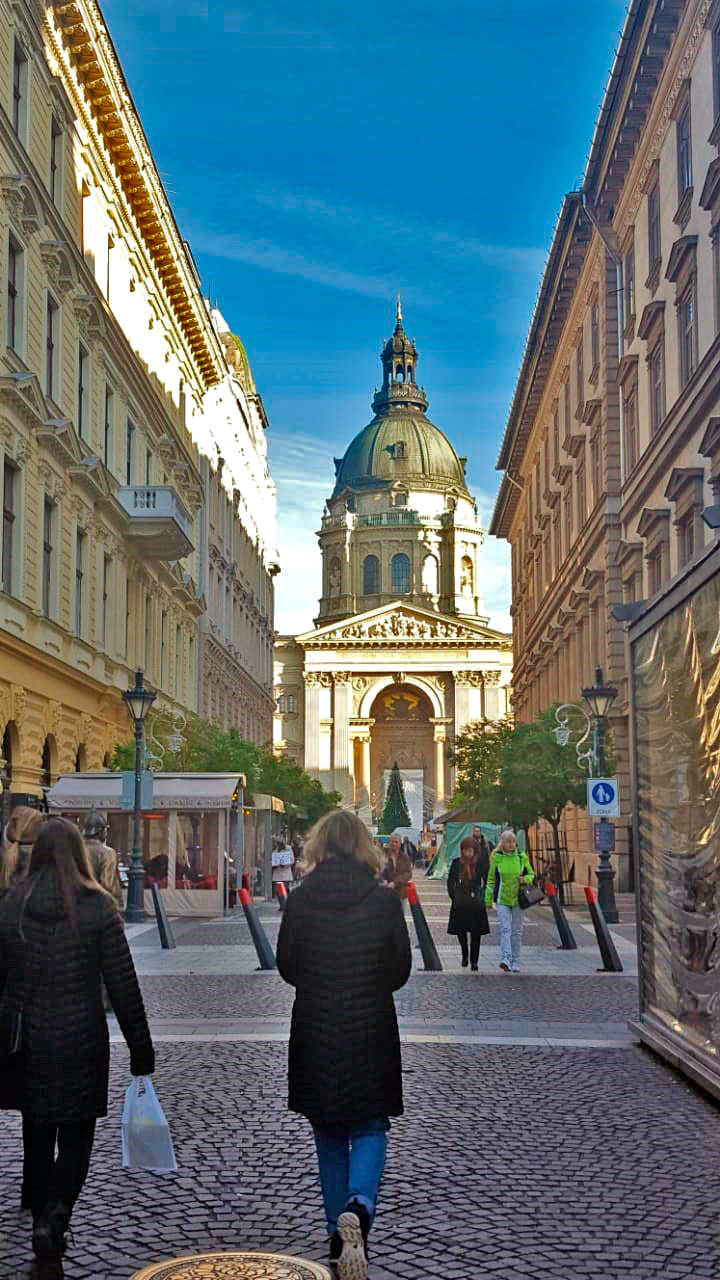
(599, 698)
(138, 702)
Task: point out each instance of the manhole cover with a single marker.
(234, 1266)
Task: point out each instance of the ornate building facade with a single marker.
(612, 447)
(401, 657)
(114, 392)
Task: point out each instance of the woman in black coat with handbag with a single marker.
(466, 887)
(344, 946)
(60, 937)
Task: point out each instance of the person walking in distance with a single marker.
(466, 887)
(397, 872)
(103, 858)
(344, 946)
(60, 936)
(23, 824)
(508, 867)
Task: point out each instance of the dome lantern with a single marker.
(399, 360)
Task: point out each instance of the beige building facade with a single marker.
(612, 447)
(401, 657)
(109, 359)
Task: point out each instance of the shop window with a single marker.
(196, 858)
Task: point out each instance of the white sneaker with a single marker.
(352, 1263)
(515, 968)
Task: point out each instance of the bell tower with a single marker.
(399, 359)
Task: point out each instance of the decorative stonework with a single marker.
(398, 626)
(318, 679)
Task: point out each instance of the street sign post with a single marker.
(127, 798)
(603, 798)
(603, 837)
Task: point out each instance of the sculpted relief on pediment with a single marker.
(399, 626)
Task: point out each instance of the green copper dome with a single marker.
(400, 443)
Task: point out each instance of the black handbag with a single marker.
(529, 895)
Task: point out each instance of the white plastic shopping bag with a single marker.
(146, 1141)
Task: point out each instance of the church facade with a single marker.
(401, 658)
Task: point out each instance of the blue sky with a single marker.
(322, 156)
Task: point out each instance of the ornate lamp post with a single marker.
(138, 702)
(599, 698)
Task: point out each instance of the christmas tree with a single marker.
(395, 813)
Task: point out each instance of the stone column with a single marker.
(341, 736)
(440, 724)
(462, 700)
(360, 731)
(312, 722)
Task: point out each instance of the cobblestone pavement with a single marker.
(589, 1146)
(515, 1160)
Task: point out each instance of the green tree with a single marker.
(209, 749)
(395, 812)
(477, 755)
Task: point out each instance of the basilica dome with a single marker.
(400, 442)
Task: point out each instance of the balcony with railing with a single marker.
(389, 518)
(159, 525)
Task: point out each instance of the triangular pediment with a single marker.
(23, 391)
(404, 624)
(91, 472)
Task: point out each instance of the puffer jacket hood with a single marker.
(339, 883)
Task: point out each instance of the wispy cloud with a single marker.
(288, 262)
(315, 208)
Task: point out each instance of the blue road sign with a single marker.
(603, 799)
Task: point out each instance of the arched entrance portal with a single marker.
(403, 732)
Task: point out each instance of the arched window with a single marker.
(399, 449)
(410, 373)
(291, 702)
(48, 764)
(430, 575)
(282, 704)
(400, 574)
(399, 375)
(399, 499)
(81, 759)
(371, 576)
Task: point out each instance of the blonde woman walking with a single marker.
(509, 867)
(344, 947)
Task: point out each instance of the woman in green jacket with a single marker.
(508, 868)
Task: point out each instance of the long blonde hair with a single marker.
(341, 832)
(23, 825)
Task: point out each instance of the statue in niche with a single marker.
(335, 578)
(466, 576)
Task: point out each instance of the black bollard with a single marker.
(425, 939)
(258, 934)
(608, 954)
(565, 933)
(167, 937)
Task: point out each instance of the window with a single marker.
(596, 470)
(686, 321)
(163, 648)
(55, 161)
(556, 437)
(106, 586)
(654, 242)
(82, 389)
(148, 467)
(371, 576)
(148, 632)
(400, 574)
(566, 406)
(595, 336)
(8, 532)
(656, 375)
(108, 442)
(581, 496)
(79, 577)
(51, 348)
(191, 668)
(282, 704)
(20, 92)
(291, 702)
(580, 370)
(430, 575)
(631, 432)
(557, 543)
(686, 538)
(548, 560)
(684, 153)
(655, 570)
(399, 499)
(399, 449)
(47, 559)
(178, 660)
(716, 67)
(630, 282)
(567, 520)
(129, 451)
(110, 247)
(14, 294)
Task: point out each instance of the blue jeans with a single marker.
(351, 1163)
(511, 921)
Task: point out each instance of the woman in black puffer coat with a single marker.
(60, 935)
(344, 946)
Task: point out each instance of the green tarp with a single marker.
(450, 845)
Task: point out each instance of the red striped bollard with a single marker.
(565, 933)
(608, 954)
